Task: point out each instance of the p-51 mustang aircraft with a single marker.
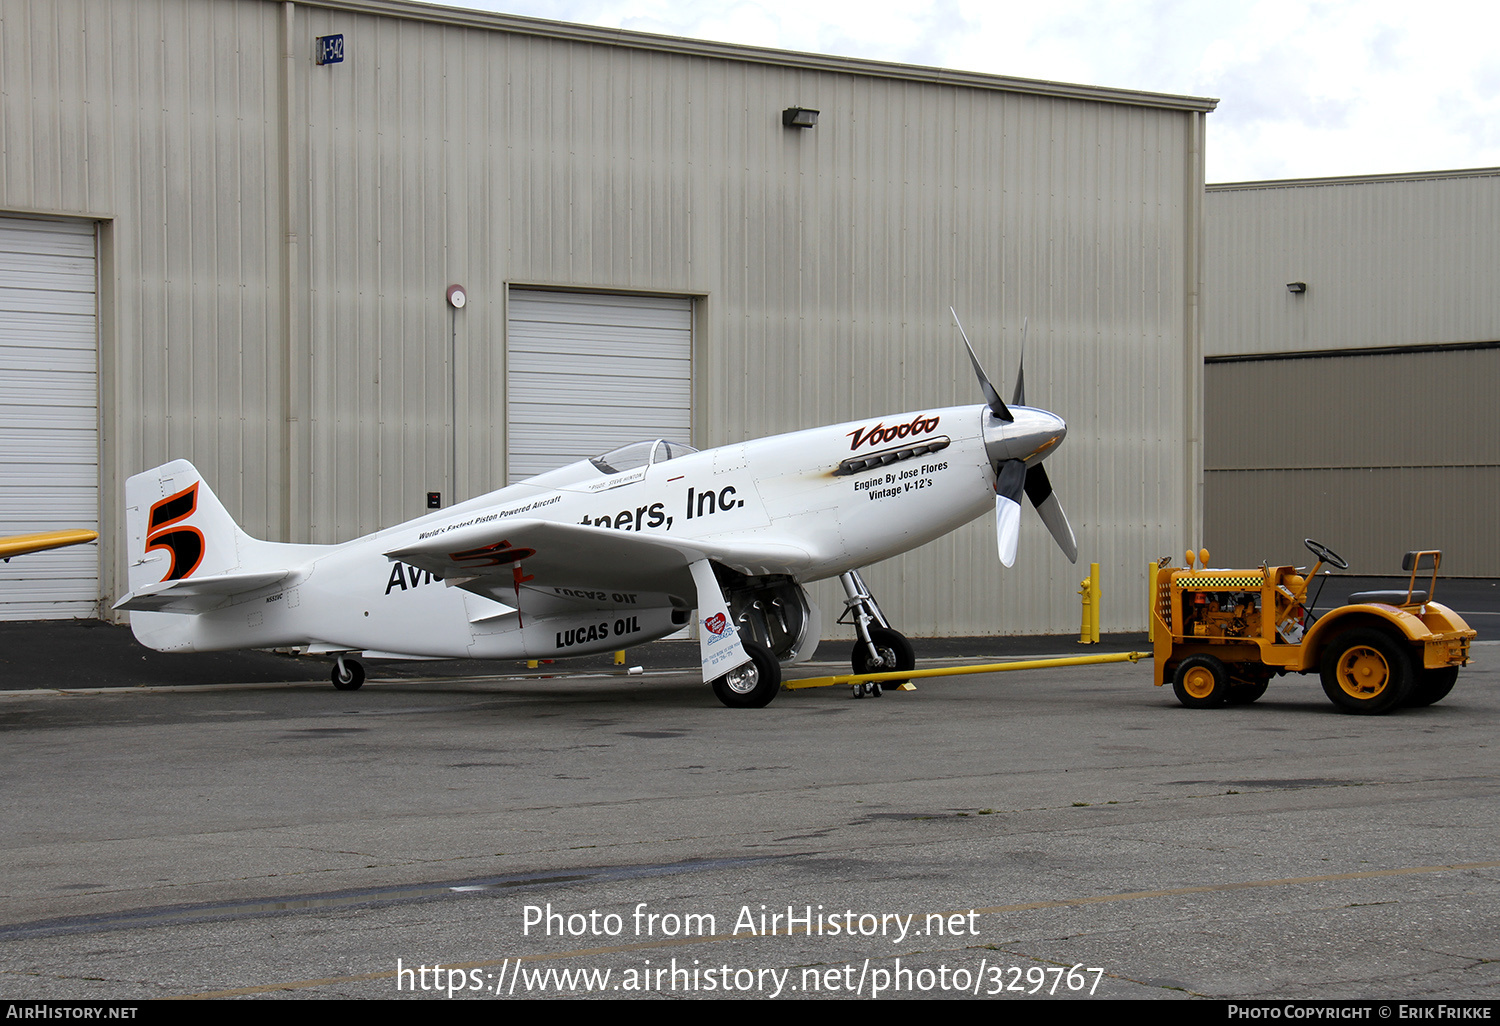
(607, 553)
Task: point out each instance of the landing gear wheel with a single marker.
(1201, 682)
(1366, 671)
(348, 674)
(868, 689)
(895, 651)
(1326, 554)
(753, 685)
(1244, 694)
(1432, 686)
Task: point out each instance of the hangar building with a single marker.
(1352, 343)
(213, 246)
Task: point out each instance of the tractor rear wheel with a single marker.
(1366, 671)
(1432, 686)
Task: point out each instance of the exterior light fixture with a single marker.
(799, 117)
(457, 297)
(1296, 288)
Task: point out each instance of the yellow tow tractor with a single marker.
(1221, 635)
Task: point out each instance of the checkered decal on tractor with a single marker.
(1220, 583)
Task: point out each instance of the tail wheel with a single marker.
(348, 674)
(752, 685)
(895, 651)
(1201, 682)
(1432, 685)
(1366, 671)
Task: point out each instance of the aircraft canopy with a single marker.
(640, 454)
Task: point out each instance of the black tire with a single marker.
(751, 686)
(352, 677)
(1366, 671)
(1432, 686)
(1244, 694)
(1201, 682)
(896, 654)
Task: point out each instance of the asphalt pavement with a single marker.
(1067, 834)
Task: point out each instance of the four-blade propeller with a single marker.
(1017, 440)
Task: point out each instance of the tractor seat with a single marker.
(1389, 598)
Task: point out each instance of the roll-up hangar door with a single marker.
(588, 372)
(49, 414)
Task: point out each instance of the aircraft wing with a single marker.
(21, 544)
(197, 594)
(483, 558)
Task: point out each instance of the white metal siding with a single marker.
(49, 414)
(587, 373)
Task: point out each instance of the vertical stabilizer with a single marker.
(176, 528)
(188, 557)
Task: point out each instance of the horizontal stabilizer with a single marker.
(198, 594)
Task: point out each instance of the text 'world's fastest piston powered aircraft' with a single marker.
(607, 553)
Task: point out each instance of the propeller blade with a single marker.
(1039, 491)
(996, 404)
(1010, 482)
(1019, 399)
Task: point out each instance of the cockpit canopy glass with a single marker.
(640, 454)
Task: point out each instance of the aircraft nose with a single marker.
(1051, 430)
(1031, 436)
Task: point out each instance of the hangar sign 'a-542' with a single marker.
(608, 552)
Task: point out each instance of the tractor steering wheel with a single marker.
(1324, 553)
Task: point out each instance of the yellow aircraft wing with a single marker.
(20, 544)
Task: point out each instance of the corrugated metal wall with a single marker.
(280, 238)
(1384, 441)
(1390, 261)
(1371, 455)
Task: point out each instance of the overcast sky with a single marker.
(1305, 89)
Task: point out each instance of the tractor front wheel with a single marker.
(1201, 682)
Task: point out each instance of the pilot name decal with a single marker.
(880, 434)
(598, 632)
(900, 482)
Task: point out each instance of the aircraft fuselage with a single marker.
(808, 505)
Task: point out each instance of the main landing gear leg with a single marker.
(880, 648)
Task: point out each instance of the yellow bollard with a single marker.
(531, 664)
(620, 657)
(1089, 588)
(1094, 620)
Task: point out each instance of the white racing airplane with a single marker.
(607, 553)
